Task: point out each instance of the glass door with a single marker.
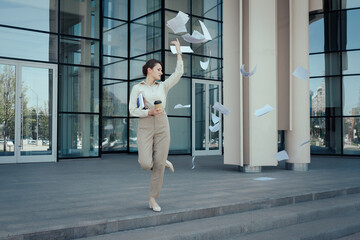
(206, 121)
(29, 112)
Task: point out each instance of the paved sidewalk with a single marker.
(44, 196)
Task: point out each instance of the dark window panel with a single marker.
(114, 99)
(116, 9)
(327, 64)
(325, 135)
(183, 5)
(207, 8)
(180, 135)
(351, 135)
(351, 30)
(115, 38)
(116, 68)
(350, 62)
(139, 8)
(114, 134)
(179, 94)
(351, 95)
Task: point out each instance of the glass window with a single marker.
(146, 34)
(136, 64)
(207, 8)
(114, 98)
(350, 62)
(325, 135)
(351, 135)
(115, 38)
(183, 5)
(17, 43)
(79, 89)
(40, 14)
(116, 9)
(180, 129)
(350, 24)
(170, 63)
(116, 68)
(179, 94)
(170, 35)
(200, 116)
(325, 97)
(324, 64)
(114, 134)
(133, 135)
(316, 33)
(351, 95)
(140, 8)
(80, 18)
(78, 135)
(350, 4)
(79, 51)
(214, 70)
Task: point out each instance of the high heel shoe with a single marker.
(169, 165)
(155, 208)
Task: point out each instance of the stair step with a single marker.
(221, 227)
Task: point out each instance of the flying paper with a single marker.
(221, 108)
(178, 106)
(264, 179)
(205, 65)
(247, 74)
(183, 49)
(177, 24)
(215, 119)
(193, 162)
(262, 111)
(196, 37)
(205, 31)
(215, 128)
(304, 143)
(301, 73)
(282, 155)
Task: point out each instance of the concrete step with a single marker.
(355, 236)
(344, 210)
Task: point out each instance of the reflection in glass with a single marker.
(214, 96)
(17, 43)
(114, 134)
(140, 8)
(350, 26)
(116, 68)
(200, 116)
(170, 63)
(114, 98)
(180, 129)
(133, 135)
(214, 70)
(325, 97)
(351, 95)
(7, 110)
(80, 18)
(351, 62)
(179, 94)
(324, 64)
(78, 135)
(183, 5)
(350, 4)
(79, 51)
(351, 135)
(325, 135)
(36, 106)
(115, 35)
(79, 89)
(145, 34)
(39, 14)
(207, 8)
(137, 64)
(116, 9)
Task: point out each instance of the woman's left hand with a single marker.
(177, 45)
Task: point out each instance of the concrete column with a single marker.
(299, 156)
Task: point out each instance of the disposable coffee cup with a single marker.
(158, 104)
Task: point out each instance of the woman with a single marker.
(153, 136)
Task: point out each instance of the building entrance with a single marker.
(28, 112)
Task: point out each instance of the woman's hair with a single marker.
(150, 64)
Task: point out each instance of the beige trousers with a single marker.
(153, 138)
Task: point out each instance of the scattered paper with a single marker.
(183, 49)
(215, 128)
(205, 65)
(193, 162)
(205, 31)
(247, 74)
(109, 127)
(264, 179)
(301, 73)
(221, 108)
(178, 106)
(282, 155)
(215, 119)
(262, 111)
(305, 143)
(177, 24)
(196, 37)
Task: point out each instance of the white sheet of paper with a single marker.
(215, 119)
(221, 108)
(264, 179)
(177, 24)
(196, 37)
(205, 65)
(282, 155)
(215, 128)
(247, 74)
(305, 143)
(264, 110)
(301, 73)
(205, 31)
(183, 49)
(178, 106)
(193, 162)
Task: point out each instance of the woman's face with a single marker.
(156, 71)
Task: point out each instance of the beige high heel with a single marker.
(169, 165)
(154, 208)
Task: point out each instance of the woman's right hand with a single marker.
(155, 112)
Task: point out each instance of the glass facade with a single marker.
(334, 44)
